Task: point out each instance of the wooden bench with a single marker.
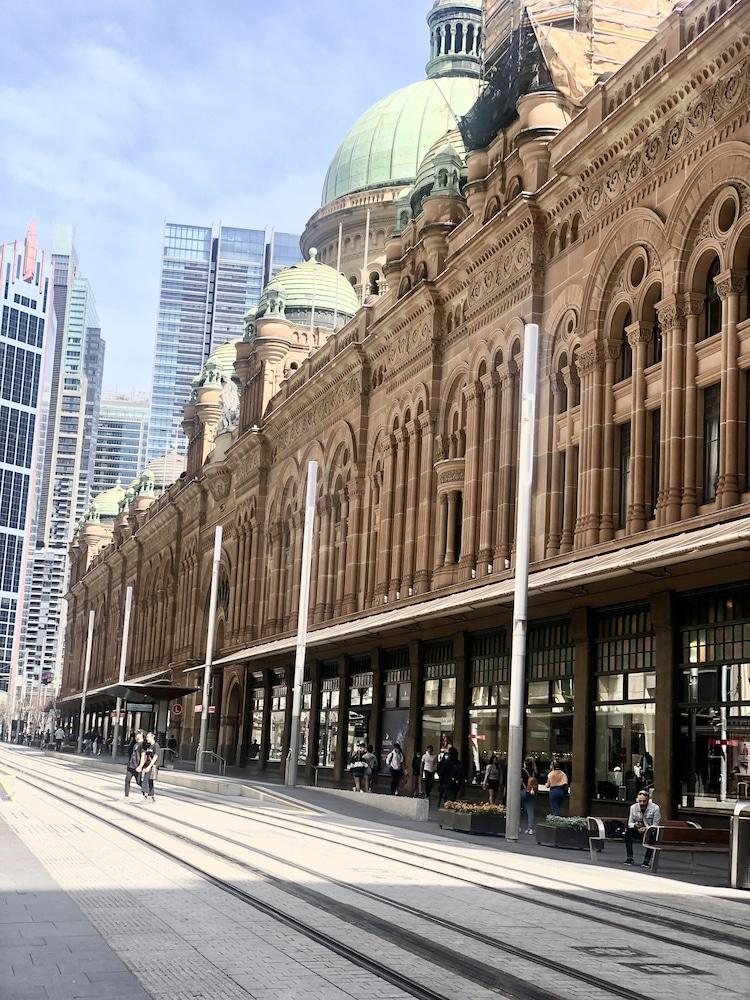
(611, 829)
(684, 840)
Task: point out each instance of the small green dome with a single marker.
(222, 358)
(298, 288)
(388, 143)
(107, 504)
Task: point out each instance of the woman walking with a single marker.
(557, 781)
(429, 769)
(358, 767)
(529, 787)
(150, 767)
(395, 762)
(492, 779)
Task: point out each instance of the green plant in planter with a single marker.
(568, 823)
(474, 808)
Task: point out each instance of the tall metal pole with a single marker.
(86, 670)
(304, 603)
(365, 278)
(209, 648)
(524, 501)
(338, 272)
(123, 660)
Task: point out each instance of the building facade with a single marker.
(209, 279)
(25, 328)
(615, 214)
(67, 463)
(120, 453)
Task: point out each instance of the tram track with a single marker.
(555, 889)
(454, 961)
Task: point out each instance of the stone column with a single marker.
(490, 384)
(384, 533)
(590, 365)
(693, 307)
(597, 446)
(325, 541)
(583, 717)
(729, 284)
(557, 479)
(411, 527)
(298, 529)
(503, 534)
(442, 531)
(451, 536)
(461, 726)
(315, 564)
(353, 548)
(426, 498)
(372, 513)
(672, 318)
(277, 541)
(607, 523)
(570, 494)
(341, 558)
(334, 527)
(666, 742)
(469, 525)
(399, 502)
(236, 582)
(639, 336)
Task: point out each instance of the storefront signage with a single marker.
(176, 709)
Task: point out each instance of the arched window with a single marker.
(438, 41)
(448, 39)
(459, 38)
(562, 383)
(691, 34)
(563, 235)
(712, 311)
(374, 283)
(624, 367)
(575, 382)
(470, 39)
(551, 246)
(574, 227)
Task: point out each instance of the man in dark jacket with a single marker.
(135, 762)
(450, 777)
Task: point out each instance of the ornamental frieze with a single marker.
(408, 344)
(685, 125)
(310, 421)
(513, 262)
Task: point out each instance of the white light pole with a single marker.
(304, 604)
(209, 648)
(123, 659)
(86, 669)
(524, 500)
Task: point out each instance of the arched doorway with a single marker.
(230, 726)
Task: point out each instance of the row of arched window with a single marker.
(456, 39)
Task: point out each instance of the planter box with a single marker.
(555, 836)
(493, 826)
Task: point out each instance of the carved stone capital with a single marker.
(557, 383)
(639, 333)
(490, 382)
(399, 435)
(425, 422)
(470, 392)
(591, 358)
(730, 282)
(671, 313)
(412, 428)
(693, 304)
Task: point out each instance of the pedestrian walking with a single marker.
(557, 782)
(395, 762)
(450, 777)
(492, 777)
(529, 788)
(59, 737)
(136, 760)
(371, 775)
(429, 770)
(150, 768)
(358, 767)
(416, 768)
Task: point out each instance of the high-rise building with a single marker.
(209, 279)
(120, 453)
(25, 324)
(68, 463)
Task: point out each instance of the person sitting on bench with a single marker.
(643, 813)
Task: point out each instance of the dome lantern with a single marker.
(455, 38)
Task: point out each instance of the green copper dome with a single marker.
(294, 291)
(107, 504)
(222, 358)
(388, 143)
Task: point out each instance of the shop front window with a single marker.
(439, 695)
(394, 719)
(256, 724)
(278, 718)
(329, 724)
(549, 697)
(715, 700)
(488, 726)
(304, 723)
(360, 710)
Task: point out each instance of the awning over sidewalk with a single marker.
(103, 692)
(644, 557)
(142, 693)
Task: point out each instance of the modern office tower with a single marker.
(209, 279)
(120, 453)
(24, 328)
(68, 465)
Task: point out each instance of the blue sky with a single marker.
(117, 114)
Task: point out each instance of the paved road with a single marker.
(199, 898)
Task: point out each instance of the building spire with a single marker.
(455, 38)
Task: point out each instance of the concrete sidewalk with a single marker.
(49, 950)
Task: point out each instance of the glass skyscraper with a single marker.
(209, 279)
(25, 299)
(121, 442)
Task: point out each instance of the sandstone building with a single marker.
(611, 207)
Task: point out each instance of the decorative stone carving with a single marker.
(230, 409)
(451, 473)
(219, 482)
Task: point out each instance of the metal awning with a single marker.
(142, 693)
(642, 557)
(104, 691)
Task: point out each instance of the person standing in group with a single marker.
(416, 768)
(59, 737)
(445, 748)
(150, 767)
(358, 767)
(136, 760)
(529, 788)
(557, 782)
(395, 762)
(492, 776)
(428, 770)
(371, 775)
(450, 777)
